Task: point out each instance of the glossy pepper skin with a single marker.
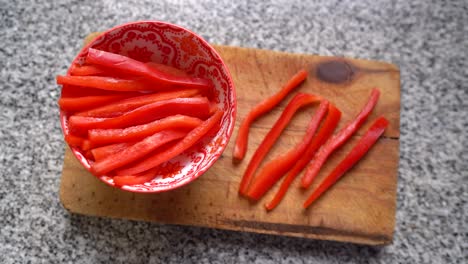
(297, 102)
(123, 106)
(263, 107)
(192, 137)
(325, 132)
(107, 136)
(338, 140)
(107, 83)
(88, 70)
(128, 65)
(73, 91)
(167, 69)
(103, 152)
(276, 168)
(358, 151)
(74, 104)
(196, 107)
(135, 152)
(140, 178)
(74, 141)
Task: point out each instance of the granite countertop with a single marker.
(429, 42)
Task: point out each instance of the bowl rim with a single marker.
(215, 156)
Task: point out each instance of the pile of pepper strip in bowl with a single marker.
(311, 152)
(145, 126)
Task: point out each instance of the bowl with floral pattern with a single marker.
(175, 46)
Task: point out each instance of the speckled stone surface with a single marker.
(428, 40)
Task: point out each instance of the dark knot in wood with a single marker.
(335, 71)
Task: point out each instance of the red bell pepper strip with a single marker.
(188, 141)
(129, 65)
(108, 83)
(87, 102)
(87, 70)
(263, 107)
(74, 141)
(118, 108)
(86, 145)
(167, 69)
(72, 91)
(135, 152)
(105, 151)
(297, 102)
(96, 70)
(277, 167)
(358, 151)
(88, 155)
(196, 107)
(141, 178)
(328, 126)
(107, 136)
(337, 140)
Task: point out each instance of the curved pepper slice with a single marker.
(197, 107)
(297, 102)
(74, 141)
(88, 155)
(136, 179)
(105, 151)
(263, 107)
(167, 69)
(339, 139)
(86, 145)
(358, 151)
(328, 126)
(72, 91)
(118, 108)
(87, 70)
(188, 141)
(129, 65)
(107, 136)
(86, 102)
(107, 83)
(135, 152)
(277, 167)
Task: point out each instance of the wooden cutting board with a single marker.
(359, 209)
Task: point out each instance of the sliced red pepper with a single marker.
(167, 69)
(329, 125)
(188, 141)
(87, 70)
(263, 107)
(297, 102)
(108, 83)
(196, 107)
(105, 151)
(135, 152)
(136, 179)
(118, 108)
(97, 70)
(87, 102)
(129, 65)
(88, 155)
(74, 141)
(339, 139)
(107, 136)
(71, 91)
(86, 145)
(276, 168)
(358, 151)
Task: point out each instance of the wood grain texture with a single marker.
(360, 208)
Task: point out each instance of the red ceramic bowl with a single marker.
(180, 48)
